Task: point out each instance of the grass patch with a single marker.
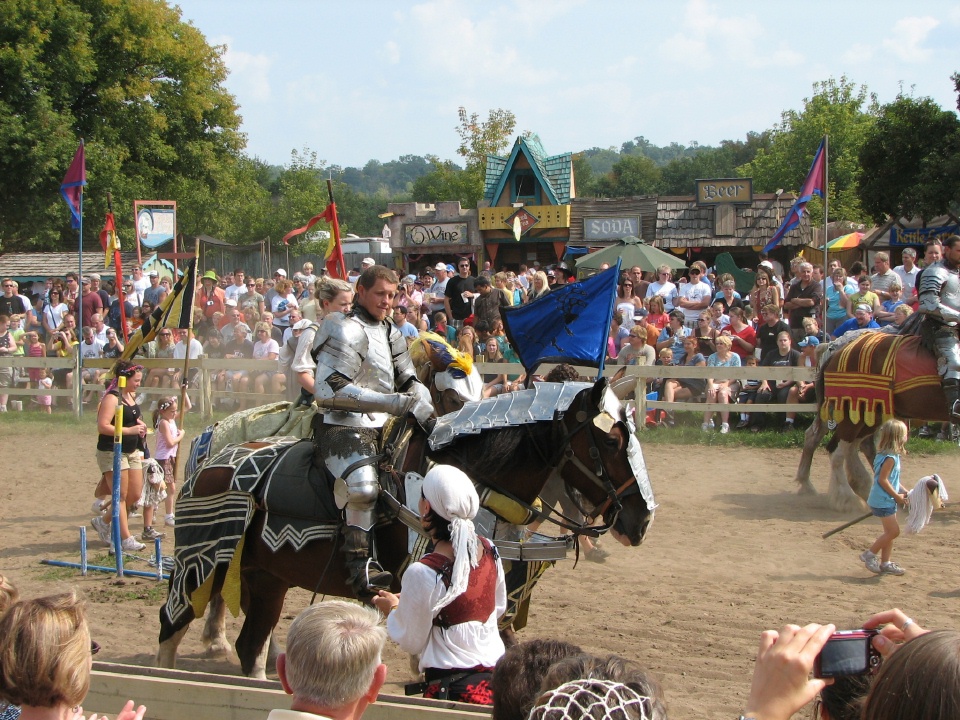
(688, 433)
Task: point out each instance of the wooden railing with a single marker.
(202, 394)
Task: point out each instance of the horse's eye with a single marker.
(611, 442)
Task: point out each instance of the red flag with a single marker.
(72, 186)
(334, 257)
(111, 244)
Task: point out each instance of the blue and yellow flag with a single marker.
(176, 311)
(569, 324)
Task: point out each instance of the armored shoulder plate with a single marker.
(340, 345)
(939, 292)
(506, 410)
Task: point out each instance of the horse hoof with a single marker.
(217, 649)
(806, 489)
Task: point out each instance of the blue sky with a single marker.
(368, 79)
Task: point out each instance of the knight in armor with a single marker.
(364, 375)
(939, 296)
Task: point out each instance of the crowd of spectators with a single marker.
(240, 316)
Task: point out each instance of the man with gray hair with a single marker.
(802, 300)
(908, 274)
(332, 664)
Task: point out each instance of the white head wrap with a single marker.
(452, 496)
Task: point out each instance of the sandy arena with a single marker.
(733, 551)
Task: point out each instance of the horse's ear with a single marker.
(596, 394)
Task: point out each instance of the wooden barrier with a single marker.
(202, 394)
(177, 694)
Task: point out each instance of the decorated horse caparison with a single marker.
(864, 380)
(253, 521)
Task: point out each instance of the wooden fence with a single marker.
(177, 694)
(202, 394)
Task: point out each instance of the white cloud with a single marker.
(474, 44)
(857, 53)
(712, 38)
(393, 52)
(250, 73)
(909, 35)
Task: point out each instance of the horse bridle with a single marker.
(598, 476)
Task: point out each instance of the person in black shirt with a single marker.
(768, 330)
(10, 302)
(458, 301)
(778, 390)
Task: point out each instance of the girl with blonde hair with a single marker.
(887, 496)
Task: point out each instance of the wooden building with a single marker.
(702, 231)
(528, 194)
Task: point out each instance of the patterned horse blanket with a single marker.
(863, 377)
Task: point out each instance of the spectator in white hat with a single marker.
(367, 262)
(862, 320)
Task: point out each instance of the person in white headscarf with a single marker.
(451, 600)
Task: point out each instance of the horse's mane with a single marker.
(493, 451)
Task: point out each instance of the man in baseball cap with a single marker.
(862, 320)
(434, 296)
(367, 262)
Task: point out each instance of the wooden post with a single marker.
(78, 383)
(185, 378)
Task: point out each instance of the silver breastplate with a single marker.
(940, 286)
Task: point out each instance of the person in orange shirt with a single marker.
(210, 297)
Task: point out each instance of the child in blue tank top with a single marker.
(886, 496)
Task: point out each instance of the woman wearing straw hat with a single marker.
(210, 297)
(452, 598)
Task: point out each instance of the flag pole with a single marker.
(826, 208)
(185, 378)
(338, 248)
(80, 252)
(78, 381)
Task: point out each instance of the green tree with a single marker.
(631, 175)
(144, 90)
(479, 139)
(845, 113)
(680, 174)
(909, 161)
(446, 182)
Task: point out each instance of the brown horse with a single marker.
(587, 445)
(862, 381)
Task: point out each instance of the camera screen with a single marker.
(844, 656)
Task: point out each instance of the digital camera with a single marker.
(848, 652)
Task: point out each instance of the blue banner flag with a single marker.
(813, 185)
(569, 324)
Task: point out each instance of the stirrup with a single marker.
(370, 579)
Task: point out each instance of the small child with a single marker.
(35, 349)
(748, 395)
(886, 496)
(45, 382)
(168, 439)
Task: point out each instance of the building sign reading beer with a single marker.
(435, 234)
(611, 228)
(725, 191)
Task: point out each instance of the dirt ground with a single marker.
(733, 551)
